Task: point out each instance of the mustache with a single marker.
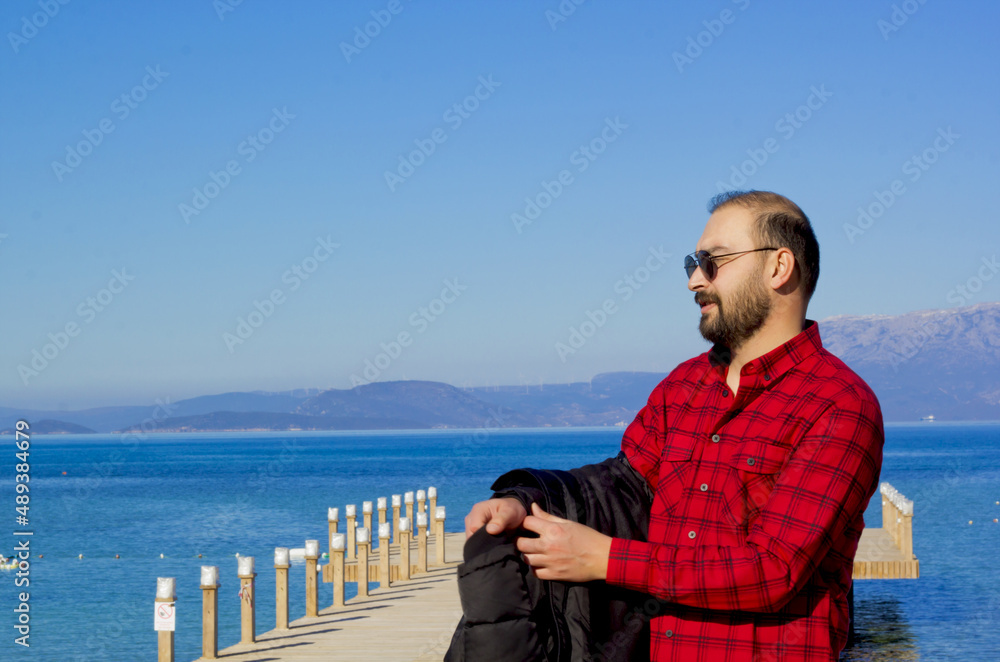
(701, 298)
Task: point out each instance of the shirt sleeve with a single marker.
(643, 438)
(826, 484)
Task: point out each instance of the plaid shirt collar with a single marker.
(765, 370)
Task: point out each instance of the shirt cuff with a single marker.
(629, 563)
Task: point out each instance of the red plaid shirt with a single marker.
(758, 504)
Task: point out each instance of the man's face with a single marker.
(735, 304)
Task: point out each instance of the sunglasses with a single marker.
(707, 262)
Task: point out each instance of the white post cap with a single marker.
(385, 530)
(404, 524)
(432, 492)
(281, 556)
(209, 575)
(366, 507)
(439, 513)
(352, 510)
(421, 495)
(408, 497)
(421, 519)
(312, 548)
(244, 565)
(397, 500)
(166, 587)
(362, 535)
(338, 542)
(381, 503)
(333, 514)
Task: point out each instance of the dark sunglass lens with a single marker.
(690, 264)
(707, 265)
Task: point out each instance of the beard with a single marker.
(739, 318)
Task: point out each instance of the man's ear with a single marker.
(784, 276)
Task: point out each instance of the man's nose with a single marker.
(697, 280)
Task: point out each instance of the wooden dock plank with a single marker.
(878, 557)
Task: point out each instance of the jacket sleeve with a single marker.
(826, 484)
(610, 496)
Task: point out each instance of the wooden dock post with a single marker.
(381, 510)
(337, 561)
(404, 548)
(421, 542)
(432, 496)
(362, 562)
(351, 531)
(209, 612)
(248, 618)
(408, 502)
(282, 561)
(397, 502)
(366, 509)
(312, 587)
(421, 503)
(384, 535)
(166, 595)
(439, 534)
(333, 519)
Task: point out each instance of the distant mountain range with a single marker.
(944, 363)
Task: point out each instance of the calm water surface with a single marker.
(222, 494)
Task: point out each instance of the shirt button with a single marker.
(750, 461)
(704, 487)
(668, 634)
(715, 438)
(725, 394)
(691, 534)
(767, 378)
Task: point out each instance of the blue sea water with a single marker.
(222, 494)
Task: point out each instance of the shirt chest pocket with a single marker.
(676, 469)
(753, 470)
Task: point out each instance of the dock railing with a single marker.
(887, 553)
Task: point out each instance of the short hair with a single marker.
(778, 222)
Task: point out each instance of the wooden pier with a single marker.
(411, 621)
(887, 553)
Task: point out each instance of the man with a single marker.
(761, 453)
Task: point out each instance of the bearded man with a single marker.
(760, 457)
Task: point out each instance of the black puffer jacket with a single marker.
(512, 616)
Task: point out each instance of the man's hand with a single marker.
(497, 515)
(564, 550)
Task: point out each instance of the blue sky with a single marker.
(121, 221)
